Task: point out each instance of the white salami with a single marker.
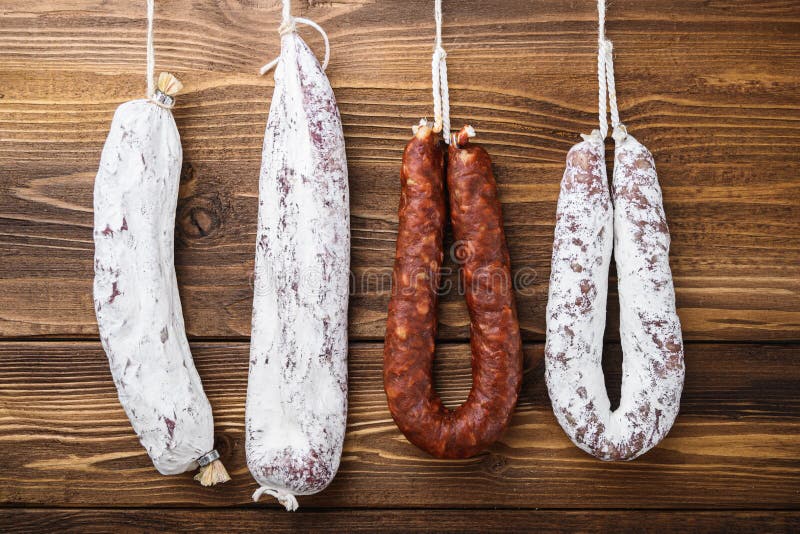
(650, 331)
(135, 290)
(653, 369)
(297, 389)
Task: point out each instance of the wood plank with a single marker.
(736, 444)
(713, 88)
(394, 521)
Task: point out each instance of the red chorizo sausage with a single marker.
(411, 328)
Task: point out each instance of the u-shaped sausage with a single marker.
(653, 368)
(411, 329)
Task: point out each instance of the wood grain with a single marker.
(395, 521)
(736, 444)
(711, 87)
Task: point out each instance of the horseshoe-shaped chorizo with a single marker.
(411, 330)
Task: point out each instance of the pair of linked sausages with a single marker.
(477, 222)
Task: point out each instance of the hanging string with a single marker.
(612, 85)
(607, 90)
(289, 25)
(441, 91)
(601, 68)
(151, 53)
(287, 10)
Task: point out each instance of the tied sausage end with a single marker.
(212, 474)
(461, 139)
(288, 500)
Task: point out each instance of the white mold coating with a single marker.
(653, 368)
(135, 290)
(297, 390)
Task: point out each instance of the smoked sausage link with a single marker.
(411, 328)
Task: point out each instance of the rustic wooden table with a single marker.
(712, 87)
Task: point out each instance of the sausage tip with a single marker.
(461, 139)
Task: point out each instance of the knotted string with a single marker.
(607, 91)
(288, 500)
(289, 25)
(441, 92)
(151, 53)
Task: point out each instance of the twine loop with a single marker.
(289, 26)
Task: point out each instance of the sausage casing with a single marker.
(296, 410)
(135, 289)
(411, 329)
(652, 369)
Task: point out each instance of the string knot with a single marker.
(288, 500)
(287, 26)
(607, 90)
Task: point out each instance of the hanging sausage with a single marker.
(297, 388)
(135, 289)
(477, 223)
(589, 218)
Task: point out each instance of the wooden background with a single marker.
(712, 87)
